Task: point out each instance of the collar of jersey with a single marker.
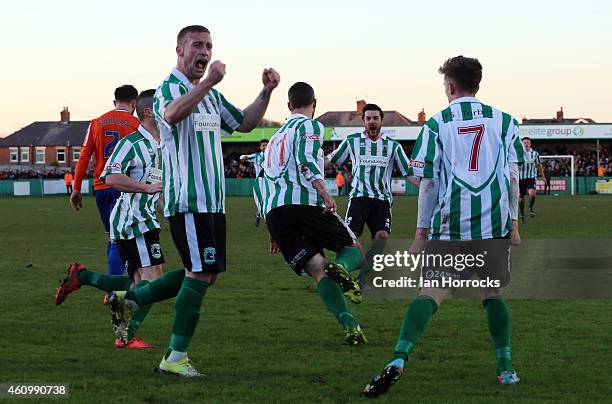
(178, 74)
(465, 99)
(293, 116)
(147, 135)
(383, 135)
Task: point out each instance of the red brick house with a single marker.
(44, 145)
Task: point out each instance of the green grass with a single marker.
(264, 335)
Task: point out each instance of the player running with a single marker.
(134, 169)
(466, 156)
(257, 160)
(191, 115)
(528, 173)
(373, 155)
(102, 136)
(301, 215)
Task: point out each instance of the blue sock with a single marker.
(115, 263)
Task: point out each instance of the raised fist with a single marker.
(216, 71)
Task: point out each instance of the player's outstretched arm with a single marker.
(123, 183)
(248, 157)
(255, 112)
(184, 105)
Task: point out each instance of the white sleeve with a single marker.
(428, 192)
(513, 198)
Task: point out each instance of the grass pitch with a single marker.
(264, 335)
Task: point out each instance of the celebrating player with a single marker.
(528, 173)
(257, 160)
(102, 136)
(373, 155)
(191, 115)
(133, 169)
(466, 156)
(301, 215)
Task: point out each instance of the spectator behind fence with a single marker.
(68, 181)
(340, 183)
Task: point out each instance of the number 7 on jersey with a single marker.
(479, 131)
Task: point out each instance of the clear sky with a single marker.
(537, 55)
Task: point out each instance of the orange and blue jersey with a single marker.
(102, 136)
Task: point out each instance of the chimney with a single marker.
(360, 105)
(560, 115)
(422, 117)
(65, 115)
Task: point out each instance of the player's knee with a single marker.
(151, 273)
(204, 276)
(381, 235)
(316, 267)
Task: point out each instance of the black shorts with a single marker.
(141, 252)
(373, 212)
(302, 232)
(491, 259)
(200, 240)
(525, 184)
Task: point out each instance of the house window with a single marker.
(76, 153)
(14, 154)
(40, 155)
(60, 155)
(25, 154)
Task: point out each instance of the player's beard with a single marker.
(373, 133)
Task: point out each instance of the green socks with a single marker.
(104, 282)
(349, 258)
(139, 315)
(498, 318)
(186, 313)
(332, 296)
(160, 289)
(531, 202)
(522, 206)
(418, 315)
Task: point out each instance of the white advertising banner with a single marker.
(21, 188)
(332, 188)
(539, 132)
(398, 186)
(575, 132)
(394, 132)
(52, 187)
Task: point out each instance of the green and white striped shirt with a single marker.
(293, 160)
(193, 177)
(529, 169)
(257, 160)
(468, 147)
(372, 164)
(137, 156)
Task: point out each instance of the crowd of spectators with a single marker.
(53, 174)
(585, 160)
(234, 168)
